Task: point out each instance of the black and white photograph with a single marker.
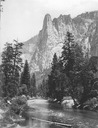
(48, 63)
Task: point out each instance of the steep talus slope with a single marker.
(40, 49)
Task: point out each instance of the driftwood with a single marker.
(50, 122)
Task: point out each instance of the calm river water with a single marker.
(41, 111)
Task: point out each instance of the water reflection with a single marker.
(40, 112)
(38, 124)
(44, 110)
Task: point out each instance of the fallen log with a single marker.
(11, 125)
(18, 120)
(50, 122)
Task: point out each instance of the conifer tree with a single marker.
(72, 60)
(68, 53)
(43, 88)
(56, 80)
(33, 85)
(25, 76)
(11, 67)
(52, 79)
(6, 67)
(17, 62)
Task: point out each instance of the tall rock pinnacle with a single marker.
(47, 21)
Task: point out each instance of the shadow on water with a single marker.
(74, 112)
(84, 114)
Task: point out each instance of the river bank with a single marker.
(67, 103)
(41, 109)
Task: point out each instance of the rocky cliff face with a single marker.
(40, 49)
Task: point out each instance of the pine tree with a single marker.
(17, 63)
(11, 67)
(68, 53)
(7, 67)
(17, 60)
(52, 79)
(56, 80)
(43, 88)
(72, 60)
(33, 85)
(25, 76)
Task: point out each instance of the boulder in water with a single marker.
(67, 103)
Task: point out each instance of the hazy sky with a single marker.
(22, 19)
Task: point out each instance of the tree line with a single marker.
(16, 78)
(72, 74)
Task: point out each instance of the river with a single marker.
(42, 115)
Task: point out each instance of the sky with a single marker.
(22, 19)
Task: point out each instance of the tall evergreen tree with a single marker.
(17, 63)
(33, 85)
(43, 89)
(25, 76)
(11, 67)
(68, 53)
(6, 67)
(56, 80)
(72, 60)
(52, 78)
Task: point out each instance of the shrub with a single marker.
(18, 105)
(91, 104)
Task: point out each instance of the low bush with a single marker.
(91, 104)
(19, 106)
